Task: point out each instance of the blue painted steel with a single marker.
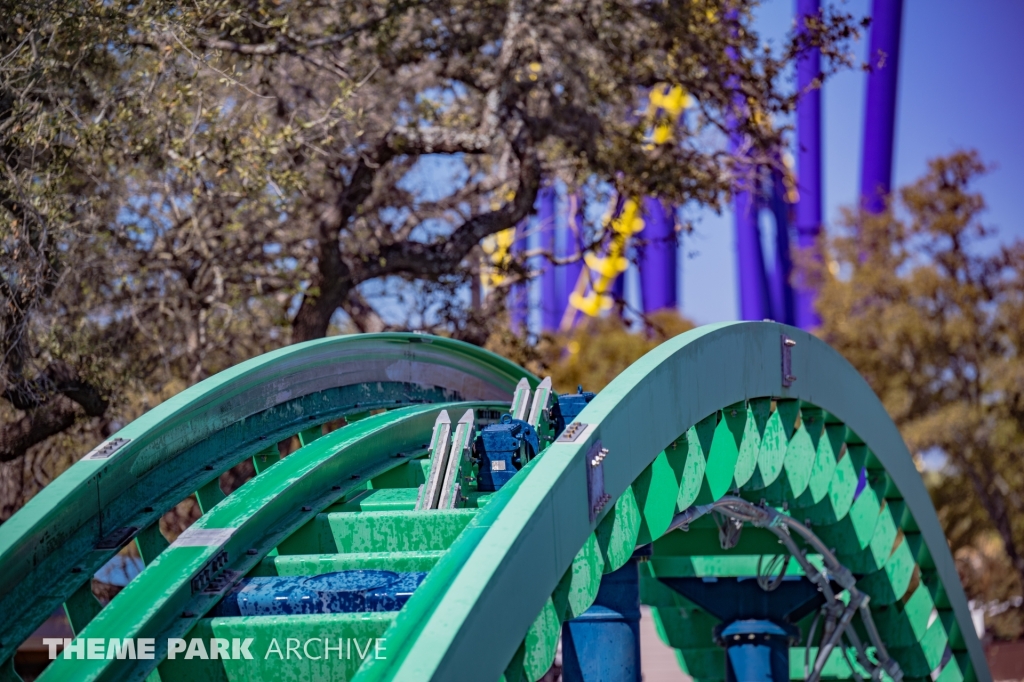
(729, 599)
(569, 407)
(755, 650)
(340, 592)
(757, 628)
(603, 644)
(500, 449)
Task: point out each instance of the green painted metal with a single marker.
(536, 526)
(161, 603)
(701, 416)
(182, 444)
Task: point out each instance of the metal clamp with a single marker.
(105, 450)
(572, 432)
(787, 361)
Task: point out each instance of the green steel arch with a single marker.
(64, 534)
(724, 409)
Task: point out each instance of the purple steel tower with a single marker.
(754, 301)
(808, 128)
(782, 270)
(570, 245)
(880, 108)
(547, 198)
(657, 258)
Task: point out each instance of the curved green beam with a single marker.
(160, 602)
(510, 559)
(49, 548)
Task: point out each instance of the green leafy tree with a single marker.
(931, 311)
(184, 185)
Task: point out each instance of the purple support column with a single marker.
(808, 129)
(518, 295)
(782, 270)
(754, 303)
(880, 110)
(570, 245)
(550, 315)
(657, 261)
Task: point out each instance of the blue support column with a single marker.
(757, 625)
(756, 650)
(603, 644)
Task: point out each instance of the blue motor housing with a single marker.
(500, 449)
(341, 592)
(569, 407)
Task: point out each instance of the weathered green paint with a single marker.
(877, 553)
(825, 459)
(772, 454)
(796, 469)
(383, 499)
(719, 475)
(264, 510)
(577, 589)
(537, 653)
(219, 422)
(317, 564)
(520, 555)
(656, 491)
(618, 530)
(696, 445)
(904, 623)
(438, 624)
(923, 657)
(758, 411)
(891, 582)
(839, 497)
(404, 531)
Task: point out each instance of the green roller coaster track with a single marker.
(723, 410)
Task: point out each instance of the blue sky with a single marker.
(961, 86)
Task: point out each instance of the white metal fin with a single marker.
(521, 399)
(464, 432)
(438, 460)
(540, 402)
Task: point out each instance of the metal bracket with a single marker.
(117, 538)
(572, 432)
(223, 581)
(105, 450)
(206, 578)
(596, 495)
(787, 361)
